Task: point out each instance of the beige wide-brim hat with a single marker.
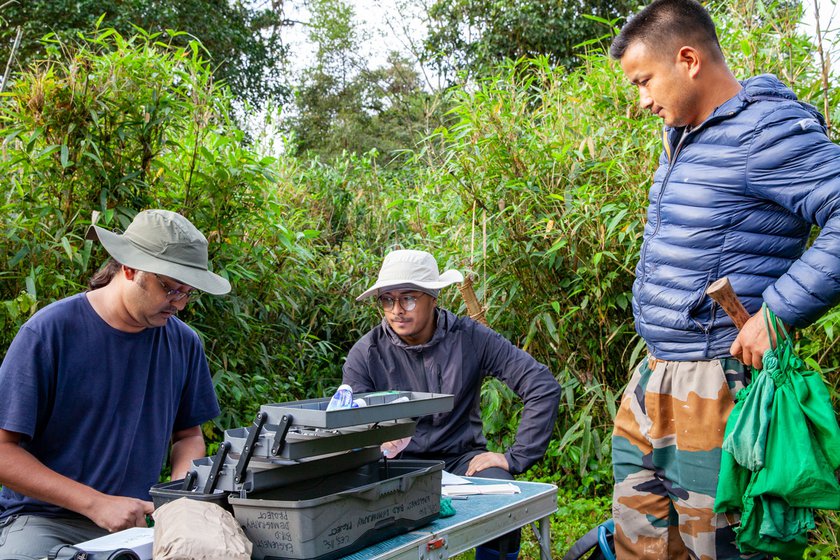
(407, 267)
(163, 242)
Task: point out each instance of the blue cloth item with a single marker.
(736, 197)
(99, 405)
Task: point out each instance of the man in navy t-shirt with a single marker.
(97, 387)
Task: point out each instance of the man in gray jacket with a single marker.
(420, 347)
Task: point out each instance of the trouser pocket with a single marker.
(6, 527)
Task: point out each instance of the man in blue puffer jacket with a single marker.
(745, 173)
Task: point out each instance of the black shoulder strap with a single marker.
(598, 543)
(586, 543)
(120, 554)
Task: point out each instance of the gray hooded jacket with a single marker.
(459, 356)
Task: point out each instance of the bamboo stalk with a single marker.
(11, 55)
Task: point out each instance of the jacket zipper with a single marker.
(672, 160)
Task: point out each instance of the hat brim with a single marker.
(125, 252)
(446, 279)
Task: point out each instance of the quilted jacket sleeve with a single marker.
(793, 163)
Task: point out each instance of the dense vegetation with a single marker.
(536, 182)
(241, 41)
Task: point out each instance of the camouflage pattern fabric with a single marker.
(666, 449)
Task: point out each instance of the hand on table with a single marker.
(486, 461)
(116, 513)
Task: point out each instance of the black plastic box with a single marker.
(168, 491)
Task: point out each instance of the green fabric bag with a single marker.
(780, 450)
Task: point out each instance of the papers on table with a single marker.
(449, 479)
(475, 489)
(454, 485)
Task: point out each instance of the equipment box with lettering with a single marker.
(338, 514)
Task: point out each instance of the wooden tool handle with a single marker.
(721, 291)
(474, 308)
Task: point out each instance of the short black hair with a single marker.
(666, 23)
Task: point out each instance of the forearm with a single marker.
(22, 472)
(355, 374)
(536, 426)
(185, 450)
(532, 439)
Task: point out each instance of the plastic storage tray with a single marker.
(302, 442)
(380, 407)
(264, 475)
(333, 516)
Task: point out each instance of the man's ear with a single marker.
(129, 272)
(690, 59)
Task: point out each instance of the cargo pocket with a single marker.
(8, 526)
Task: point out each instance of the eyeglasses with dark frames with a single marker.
(177, 295)
(407, 301)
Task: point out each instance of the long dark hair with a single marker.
(105, 274)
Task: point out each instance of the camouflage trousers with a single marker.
(666, 450)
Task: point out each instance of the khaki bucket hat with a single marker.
(163, 242)
(407, 267)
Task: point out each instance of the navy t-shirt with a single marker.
(99, 405)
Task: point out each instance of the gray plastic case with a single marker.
(380, 407)
(339, 514)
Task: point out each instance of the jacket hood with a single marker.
(758, 88)
(766, 85)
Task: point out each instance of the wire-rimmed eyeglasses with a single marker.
(177, 295)
(407, 301)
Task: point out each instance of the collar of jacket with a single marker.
(758, 88)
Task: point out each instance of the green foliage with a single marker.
(116, 125)
(242, 41)
(556, 165)
(474, 36)
(575, 516)
(547, 159)
(343, 105)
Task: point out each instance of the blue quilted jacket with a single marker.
(737, 197)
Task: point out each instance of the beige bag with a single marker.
(188, 529)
